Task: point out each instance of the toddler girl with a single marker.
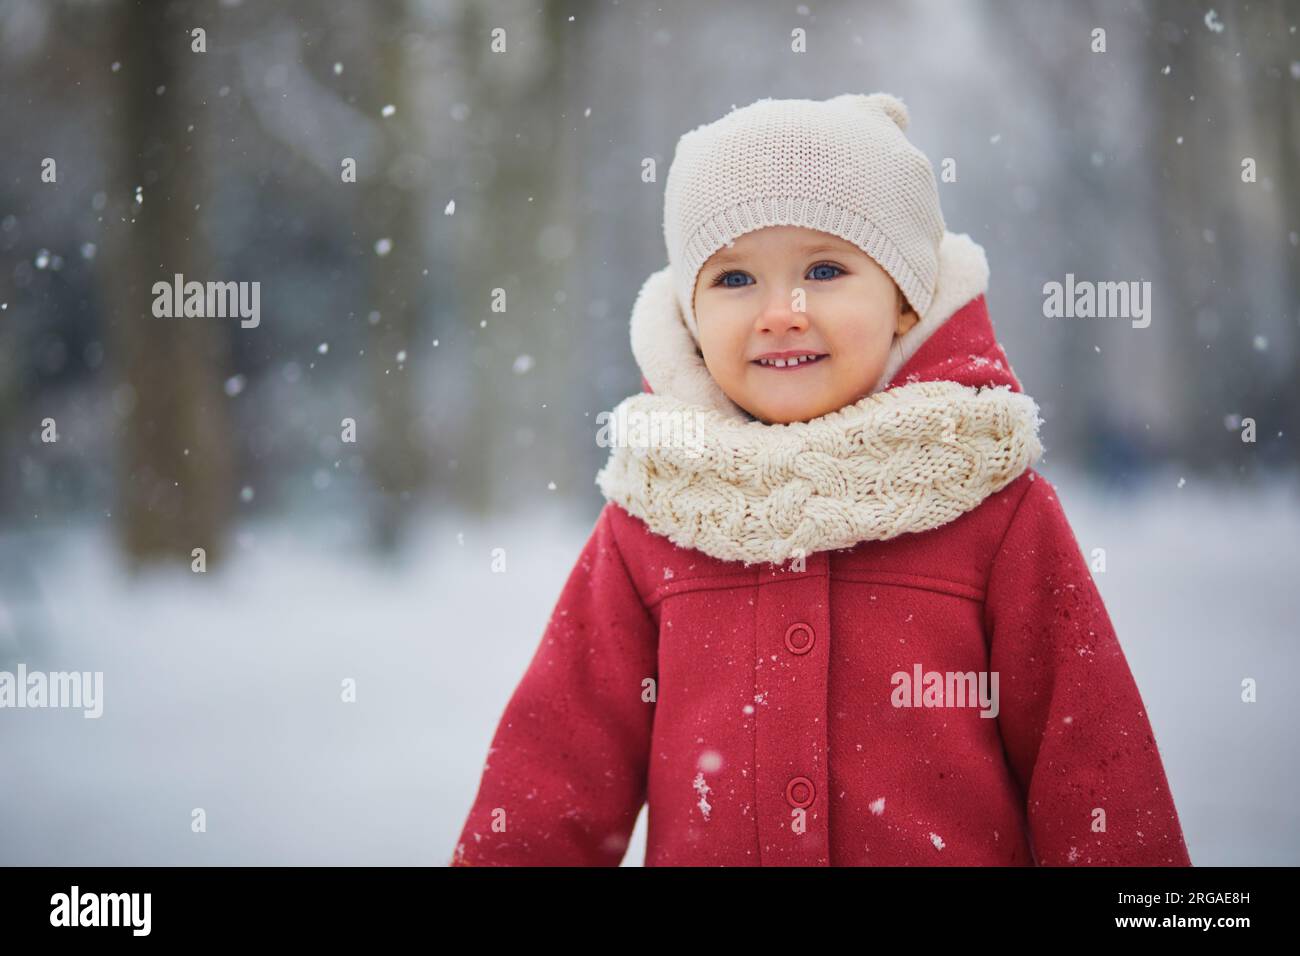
(844, 622)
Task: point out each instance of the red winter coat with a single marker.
(774, 695)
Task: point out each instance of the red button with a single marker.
(799, 792)
(799, 638)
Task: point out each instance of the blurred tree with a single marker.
(517, 102)
(1281, 123)
(174, 469)
(391, 209)
(1235, 294)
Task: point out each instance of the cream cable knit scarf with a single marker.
(906, 459)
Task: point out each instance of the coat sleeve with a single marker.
(565, 776)
(1072, 721)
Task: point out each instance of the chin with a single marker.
(787, 414)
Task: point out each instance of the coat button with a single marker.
(799, 792)
(799, 638)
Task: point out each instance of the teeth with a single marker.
(782, 363)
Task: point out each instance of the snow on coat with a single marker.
(816, 716)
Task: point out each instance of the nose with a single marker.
(779, 314)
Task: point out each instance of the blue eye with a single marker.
(735, 279)
(726, 277)
(824, 265)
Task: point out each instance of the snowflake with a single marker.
(710, 760)
(703, 790)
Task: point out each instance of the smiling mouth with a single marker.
(789, 364)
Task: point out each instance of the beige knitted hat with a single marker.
(841, 165)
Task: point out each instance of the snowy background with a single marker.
(223, 692)
(521, 171)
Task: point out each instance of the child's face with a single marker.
(748, 304)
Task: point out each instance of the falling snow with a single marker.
(710, 761)
(703, 789)
(291, 372)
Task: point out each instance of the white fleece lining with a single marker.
(669, 359)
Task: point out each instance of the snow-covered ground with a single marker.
(223, 691)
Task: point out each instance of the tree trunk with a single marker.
(174, 471)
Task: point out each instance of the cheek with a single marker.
(723, 334)
(865, 336)
(719, 351)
